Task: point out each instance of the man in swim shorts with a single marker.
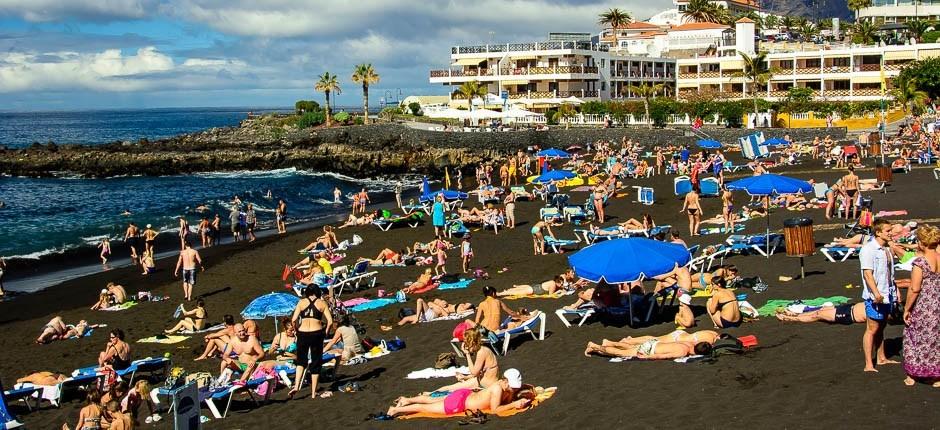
(842, 314)
(188, 259)
(248, 349)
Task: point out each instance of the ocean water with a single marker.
(44, 216)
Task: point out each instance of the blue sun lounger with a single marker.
(225, 394)
(558, 245)
(501, 344)
(838, 253)
(581, 314)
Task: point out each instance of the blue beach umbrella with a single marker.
(767, 185)
(552, 153)
(270, 305)
(554, 175)
(776, 141)
(427, 195)
(708, 144)
(627, 260)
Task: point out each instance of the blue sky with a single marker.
(76, 54)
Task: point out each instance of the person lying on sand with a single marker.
(56, 329)
(534, 289)
(216, 341)
(247, 348)
(387, 256)
(839, 314)
(356, 221)
(506, 394)
(651, 349)
(42, 378)
(708, 336)
(433, 309)
(423, 283)
(193, 320)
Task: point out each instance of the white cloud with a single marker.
(95, 10)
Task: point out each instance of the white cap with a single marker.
(514, 378)
(685, 299)
(148, 225)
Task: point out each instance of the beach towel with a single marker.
(387, 265)
(463, 283)
(683, 360)
(164, 339)
(431, 372)
(87, 333)
(543, 395)
(456, 316)
(120, 307)
(353, 302)
(216, 327)
(881, 214)
(770, 308)
(555, 295)
(581, 189)
(719, 230)
(373, 304)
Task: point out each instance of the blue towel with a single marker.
(373, 304)
(463, 283)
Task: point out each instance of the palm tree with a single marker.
(327, 84)
(615, 18)
(907, 94)
(825, 24)
(807, 31)
(864, 32)
(771, 22)
(855, 5)
(646, 92)
(917, 28)
(471, 90)
(701, 11)
(788, 22)
(756, 72)
(753, 16)
(364, 74)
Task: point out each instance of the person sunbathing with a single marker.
(679, 277)
(327, 240)
(43, 378)
(652, 349)
(791, 201)
(426, 311)
(489, 311)
(356, 221)
(56, 329)
(722, 306)
(484, 368)
(535, 289)
(855, 241)
(193, 320)
(707, 336)
(248, 351)
(387, 256)
(900, 163)
(472, 215)
(703, 280)
(614, 230)
(345, 342)
(684, 318)
(146, 263)
(104, 301)
(507, 393)
(839, 314)
(117, 292)
(424, 283)
(217, 340)
(117, 354)
(634, 224)
(284, 343)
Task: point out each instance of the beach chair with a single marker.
(659, 229)
(693, 249)
(456, 228)
(359, 273)
(225, 394)
(646, 196)
(503, 337)
(521, 193)
(581, 314)
(550, 214)
(755, 242)
(936, 173)
(591, 237)
(558, 245)
(709, 187)
(705, 261)
(838, 253)
(385, 224)
(494, 222)
(416, 208)
(145, 365)
(574, 213)
(7, 420)
(682, 185)
(819, 189)
(25, 392)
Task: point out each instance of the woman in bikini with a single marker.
(692, 207)
(707, 336)
(89, 418)
(704, 279)
(722, 306)
(538, 238)
(117, 354)
(727, 209)
(850, 187)
(193, 320)
(484, 368)
(600, 193)
(284, 343)
(311, 317)
(534, 289)
(506, 394)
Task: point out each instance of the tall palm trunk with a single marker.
(365, 103)
(646, 107)
(329, 119)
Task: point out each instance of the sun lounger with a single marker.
(521, 193)
(558, 245)
(385, 224)
(645, 195)
(225, 394)
(537, 320)
(24, 393)
(581, 314)
(755, 242)
(574, 213)
(410, 209)
(840, 253)
(819, 189)
(709, 187)
(355, 278)
(591, 237)
(705, 261)
(659, 229)
(456, 228)
(681, 185)
(550, 214)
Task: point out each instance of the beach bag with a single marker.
(395, 344)
(445, 360)
(727, 345)
(203, 379)
(176, 378)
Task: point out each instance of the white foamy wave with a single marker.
(258, 174)
(323, 201)
(39, 254)
(95, 240)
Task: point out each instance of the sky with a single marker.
(100, 54)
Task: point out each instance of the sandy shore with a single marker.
(801, 375)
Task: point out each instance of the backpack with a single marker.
(727, 345)
(395, 344)
(445, 360)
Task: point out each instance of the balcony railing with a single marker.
(534, 46)
(867, 67)
(710, 75)
(522, 71)
(688, 75)
(807, 71)
(836, 93)
(836, 69)
(892, 67)
(647, 75)
(778, 93)
(869, 92)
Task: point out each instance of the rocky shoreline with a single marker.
(358, 151)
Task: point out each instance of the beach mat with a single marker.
(770, 308)
(463, 283)
(373, 304)
(556, 295)
(543, 395)
(120, 307)
(164, 339)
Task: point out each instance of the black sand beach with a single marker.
(800, 375)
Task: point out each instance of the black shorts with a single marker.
(844, 315)
(251, 226)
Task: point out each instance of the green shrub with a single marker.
(311, 119)
(415, 108)
(358, 120)
(931, 36)
(341, 117)
(732, 112)
(306, 106)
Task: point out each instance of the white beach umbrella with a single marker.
(480, 114)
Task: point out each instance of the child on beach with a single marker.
(440, 268)
(466, 252)
(105, 246)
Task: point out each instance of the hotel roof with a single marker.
(699, 26)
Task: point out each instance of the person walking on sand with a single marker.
(251, 220)
(363, 198)
(188, 259)
(466, 253)
(184, 232)
(105, 246)
(878, 291)
(215, 230)
(692, 207)
(150, 236)
(233, 221)
(398, 190)
(437, 215)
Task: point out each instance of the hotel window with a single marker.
(840, 85)
(812, 62)
(840, 62)
(603, 86)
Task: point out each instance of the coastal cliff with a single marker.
(358, 151)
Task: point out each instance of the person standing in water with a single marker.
(3, 266)
(337, 195)
(281, 213)
(233, 220)
(105, 246)
(132, 239)
(184, 231)
(204, 232)
(398, 189)
(363, 197)
(149, 237)
(251, 220)
(188, 259)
